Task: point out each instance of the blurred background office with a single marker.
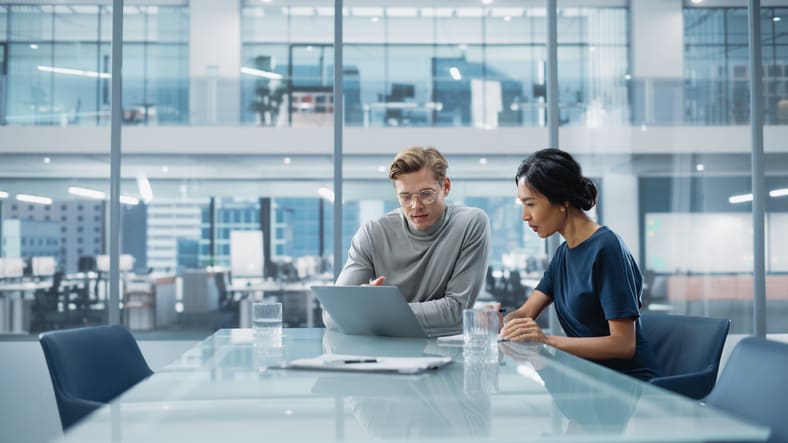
(227, 146)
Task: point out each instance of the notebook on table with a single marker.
(373, 310)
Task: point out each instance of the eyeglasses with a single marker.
(426, 196)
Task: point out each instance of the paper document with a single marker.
(459, 339)
(365, 363)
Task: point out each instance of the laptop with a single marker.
(373, 310)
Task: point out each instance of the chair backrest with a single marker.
(90, 366)
(684, 344)
(753, 385)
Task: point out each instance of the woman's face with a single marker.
(544, 217)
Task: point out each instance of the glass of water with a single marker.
(267, 323)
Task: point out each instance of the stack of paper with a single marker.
(365, 363)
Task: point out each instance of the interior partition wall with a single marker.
(234, 103)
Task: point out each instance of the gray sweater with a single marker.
(440, 271)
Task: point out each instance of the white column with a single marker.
(214, 61)
(620, 209)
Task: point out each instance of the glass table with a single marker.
(227, 388)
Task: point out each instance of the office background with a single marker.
(228, 126)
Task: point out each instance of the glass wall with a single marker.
(717, 67)
(433, 66)
(229, 133)
(58, 64)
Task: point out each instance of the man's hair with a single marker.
(415, 159)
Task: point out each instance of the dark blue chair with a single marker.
(687, 351)
(753, 385)
(91, 366)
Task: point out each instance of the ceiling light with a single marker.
(470, 12)
(487, 2)
(627, 76)
(129, 200)
(34, 199)
(782, 192)
(261, 73)
(87, 193)
(381, 169)
(696, 2)
(33, 46)
(742, 198)
(483, 161)
(374, 19)
(3, 194)
(287, 160)
(776, 19)
(508, 18)
(700, 167)
(165, 169)
(507, 12)
(455, 73)
(437, 12)
(326, 194)
(402, 12)
(79, 72)
(366, 12)
(143, 184)
(47, 160)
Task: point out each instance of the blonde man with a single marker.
(435, 254)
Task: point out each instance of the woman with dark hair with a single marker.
(592, 280)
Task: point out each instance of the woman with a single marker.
(593, 279)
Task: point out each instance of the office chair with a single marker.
(91, 366)
(687, 351)
(753, 385)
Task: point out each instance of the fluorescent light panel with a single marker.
(129, 200)
(145, 189)
(69, 71)
(87, 193)
(28, 198)
(455, 73)
(366, 12)
(261, 73)
(782, 192)
(741, 198)
(3, 194)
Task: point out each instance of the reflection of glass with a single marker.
(266, 354)
(480, 376)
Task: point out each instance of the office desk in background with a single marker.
(221, 390)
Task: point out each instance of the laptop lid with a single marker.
(370, 310)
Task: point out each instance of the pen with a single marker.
(352, 361)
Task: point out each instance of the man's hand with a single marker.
(376, 282)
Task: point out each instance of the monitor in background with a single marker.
(246, 254)
(125, 265)
(44, 266)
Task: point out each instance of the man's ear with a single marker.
(446, 186)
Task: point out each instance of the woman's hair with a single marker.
(415, 159)
(556, 175)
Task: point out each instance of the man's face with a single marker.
(422, 197)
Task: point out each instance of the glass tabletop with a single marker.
(229, 388)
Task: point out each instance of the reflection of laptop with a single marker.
(373, 310)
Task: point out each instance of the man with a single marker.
(435, 254)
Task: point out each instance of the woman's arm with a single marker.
(532, 307)
(620, 344)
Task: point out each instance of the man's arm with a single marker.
(465, 282)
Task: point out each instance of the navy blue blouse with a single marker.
(596, 281)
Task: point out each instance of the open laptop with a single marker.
(373, 310)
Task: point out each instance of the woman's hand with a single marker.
(522, 329)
